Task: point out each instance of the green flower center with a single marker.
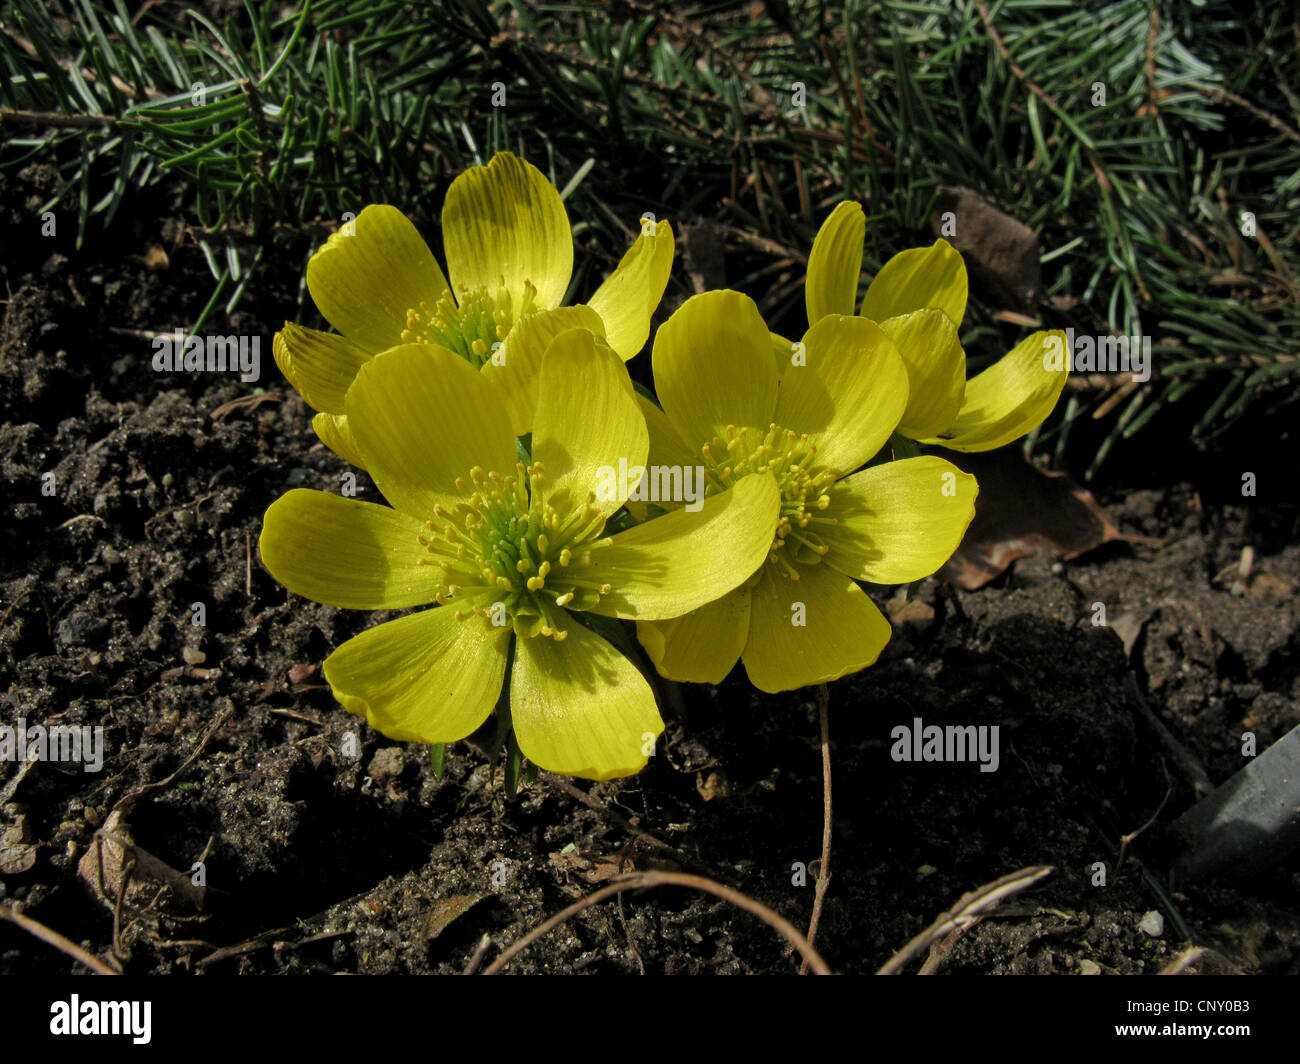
(805, 486)
(506, 553)
(469, 324)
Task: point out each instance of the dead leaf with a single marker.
(17, 851)
(299, 673)
(1022, 510)
(712, 786)
(1002, 253)
(113, 846)
(1128, 626)
(445, 910)
(903, 611)
(1266, 585)
(600, 870)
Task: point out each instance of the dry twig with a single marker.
(53, 938)
(824, 867)
(665, 879)
(968, 910)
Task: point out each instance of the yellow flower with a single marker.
(509, 259)
(511, 555)
(802, 618)
(919, 299)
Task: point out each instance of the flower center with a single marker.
(805, 486)
(469, 324)
(505, 552)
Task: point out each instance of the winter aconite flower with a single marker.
(509, 262)
(919, 299)
(512, 555)
(802, 618)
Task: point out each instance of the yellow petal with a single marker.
(319, 365)
(713, 366)
(580, 708)
(849, 393)
(505, 220)
(842, 631)
(588, 422)
(704, 645)
(514, 367)
(344, 552)
(784, 352)
(1011, 397)
(333, 432)
(835, 263)
(667, 448)
(928, 344)
(900, 521)
(684, 559)
(917, 278)
(370, 273)
(422, 416)
(424, 678)
(630, 295)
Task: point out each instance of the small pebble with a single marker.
(387, 762)
(1087, 967)
(81, 629)
(193, 656)
(1153, 924)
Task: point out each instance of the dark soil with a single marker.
(325, 860)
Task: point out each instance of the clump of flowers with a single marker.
(505, 434)
(801, 618)
(510, 554)
(509, 252)
(919, 299)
